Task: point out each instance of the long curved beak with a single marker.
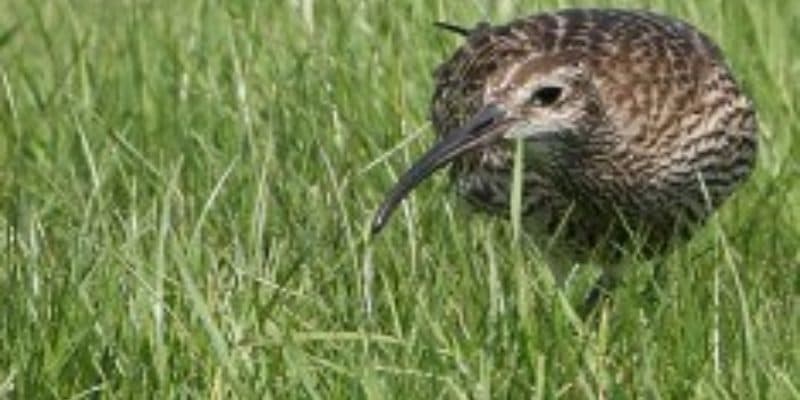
(474, 133)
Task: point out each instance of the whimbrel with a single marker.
(632, 122)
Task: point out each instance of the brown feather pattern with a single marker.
(664, 133)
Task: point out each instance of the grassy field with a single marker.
(187, 186)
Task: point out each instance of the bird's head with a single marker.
(549, 102)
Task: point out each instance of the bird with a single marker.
(632, 124)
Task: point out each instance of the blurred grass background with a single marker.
(186, 189)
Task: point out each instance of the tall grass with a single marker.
(186, 189)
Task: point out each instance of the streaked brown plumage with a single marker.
(632, 122)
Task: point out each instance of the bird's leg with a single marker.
(599, 293)
(605, 284)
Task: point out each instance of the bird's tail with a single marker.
(453, 28)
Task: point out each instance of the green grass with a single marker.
(186, 190)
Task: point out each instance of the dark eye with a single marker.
(545, 96)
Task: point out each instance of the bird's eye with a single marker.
(545, 96)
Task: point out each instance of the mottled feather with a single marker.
(668, 133)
